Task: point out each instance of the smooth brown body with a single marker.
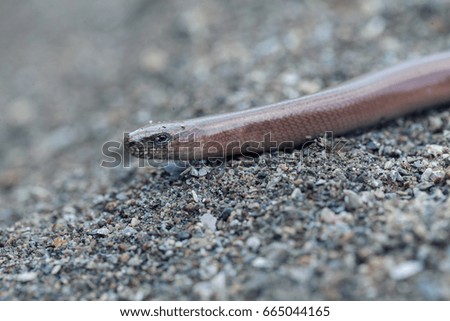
(361, 102)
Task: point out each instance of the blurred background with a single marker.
(75, 74)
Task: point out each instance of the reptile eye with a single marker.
(161, 139)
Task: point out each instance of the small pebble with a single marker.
(352, 200)
(435, 123)
(261, 262)
(56, 269)
(26, 276)
(405, 270)
(183, 236)
(297, 194)
(209, 221)
(195, 196)
(253, 243)
(327, 215)
(101, 231)
(129, 231)
(134, 261)
(134, 222)
(436, 150)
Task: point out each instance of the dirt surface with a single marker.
(370, 221)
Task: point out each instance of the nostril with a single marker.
(130, 144)
(133, 145)
(126, 141)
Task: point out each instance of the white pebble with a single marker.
(388, 165)
(261, 262)
(253, 243)
(134, 222)
(26, 276)
(426, 175)
(209, 221)
(101, 231)
(128, 231)
(435, 150)
(405, 270)
(326, 215)
(352, 200)
(56, 269)
(195, 196)
(297, 194)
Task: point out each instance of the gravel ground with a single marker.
(369, 220)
